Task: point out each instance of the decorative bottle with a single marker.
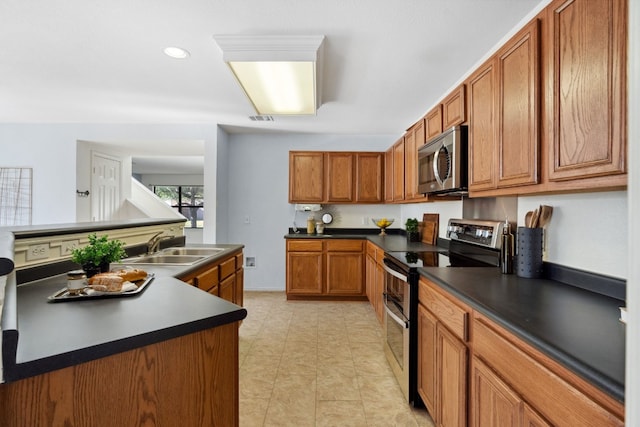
(506, 250)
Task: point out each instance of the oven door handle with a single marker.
(395, 273)
(402, 322)
(391, 299)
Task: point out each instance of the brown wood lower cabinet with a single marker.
(325, 268)
(375, 278)
(223, 278)
(186, 381)
(494, 402)
(495, 378)
(442, 356)
(549, 389)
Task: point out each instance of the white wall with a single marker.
(588, 231)
(222, 179)
(258, 181)
(51, 152)
(446, 210)
(50, 149)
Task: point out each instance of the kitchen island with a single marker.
(166, 356)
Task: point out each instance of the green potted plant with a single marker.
(411, 227)
(98, 254)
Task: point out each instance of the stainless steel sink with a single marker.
(191, 251)
(165, 259)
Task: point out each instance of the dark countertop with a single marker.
(577, 328)
(56, 335)
(394, 241)
(29, 231)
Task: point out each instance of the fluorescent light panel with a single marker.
(277, 73)
(278, 87)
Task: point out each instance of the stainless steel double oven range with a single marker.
(472, 243)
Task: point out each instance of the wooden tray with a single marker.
(63, 294)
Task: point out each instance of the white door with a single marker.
(105, 186)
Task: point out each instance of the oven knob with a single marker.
(455, 229)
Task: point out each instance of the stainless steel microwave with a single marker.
(442, 163)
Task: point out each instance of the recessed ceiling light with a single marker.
(176, 52)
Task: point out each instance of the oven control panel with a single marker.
(479, 232)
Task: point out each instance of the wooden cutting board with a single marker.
(430, 224)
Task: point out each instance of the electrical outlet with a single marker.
(67, 246)
(36, 252)
(250, 262)
(365, 220)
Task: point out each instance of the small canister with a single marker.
(311, 225)
(76, 281)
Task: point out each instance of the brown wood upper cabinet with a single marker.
(388, 175)
(369, 174)
(454, 108)
(306, 176)
(335, 177)
(568, 66)
(518, 64)
(398, 170)
(339, 178)
(451, 111)
(504, 115)
(482, 129)
(586, 89)
(433, 122)
(413, 140)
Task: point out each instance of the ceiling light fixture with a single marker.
(281, 75)
(176, 52)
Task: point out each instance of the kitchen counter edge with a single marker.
(208, 315)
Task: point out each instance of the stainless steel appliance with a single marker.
(472, 243)
(399, 293)
(442, 163)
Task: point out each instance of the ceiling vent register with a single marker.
(261, 118)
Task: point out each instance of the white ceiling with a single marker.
(386, 62)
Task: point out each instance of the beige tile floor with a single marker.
(317, 364)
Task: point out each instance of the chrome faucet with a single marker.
(154, 242)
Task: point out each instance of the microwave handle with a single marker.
(436, 173)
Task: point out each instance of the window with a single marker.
(186, 199)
